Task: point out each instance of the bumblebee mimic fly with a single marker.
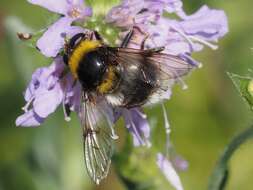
(115, 77)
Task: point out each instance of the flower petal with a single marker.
(47, 101)
(169, 172)
(209, 24)
(87, 12)
(33, 85)
(53, 39)
(29, 119)
(173, 5)
(180, 163)
(137, 125)
(57, 6)
(44, 77)
(123, 15)
(72, 92)
(73, 30)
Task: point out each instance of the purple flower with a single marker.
(134, 12)
(72, 93)
(72, 10)
(55, 36)
(43, 95)
(179, 163)
(136, 122)
(178, 36)
(169, 172)
(124, 14)
(46, 91)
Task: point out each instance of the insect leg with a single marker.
(157, 49)
(65, 59)
(127, 39)
(143, 42)
(66, 111)
(154, 50)
(97, 35)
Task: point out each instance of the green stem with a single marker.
(220, 175)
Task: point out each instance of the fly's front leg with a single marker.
(127, 39)
(156, 50)
(153, 50)
(97, 35)
(136, 34)
(143, 42)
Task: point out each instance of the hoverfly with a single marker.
(115, 77)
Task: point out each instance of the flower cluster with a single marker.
(50, 88)
(184, 35)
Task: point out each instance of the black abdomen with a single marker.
(138, 84)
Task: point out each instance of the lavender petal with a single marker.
(137, 125)
(47, 101)
(53, 39)
(29, 119)
(209, 24)
(57, 6)
(169, 172)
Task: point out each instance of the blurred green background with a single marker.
(204, 118)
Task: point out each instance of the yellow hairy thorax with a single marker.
(79, 52)
(108, 82)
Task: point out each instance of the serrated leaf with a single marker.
(244, 84)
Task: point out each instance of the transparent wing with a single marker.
(96, 120)
(170, 65)
(168, 69)
(173, 66)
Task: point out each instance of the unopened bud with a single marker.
(24, 36)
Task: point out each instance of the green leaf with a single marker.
(244, 85)
(220, 174)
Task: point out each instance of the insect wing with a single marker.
(98, 141)
(151, 67)
(173, 66)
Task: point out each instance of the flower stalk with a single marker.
(220, 175)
